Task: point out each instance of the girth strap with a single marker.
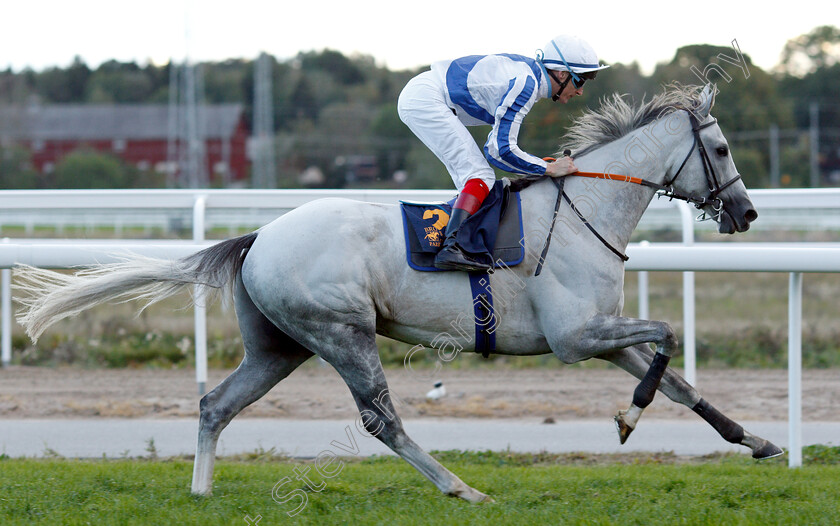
(485, 315)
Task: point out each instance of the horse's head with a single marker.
(707, 172)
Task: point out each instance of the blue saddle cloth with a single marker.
(492, 234)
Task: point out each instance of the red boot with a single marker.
(451, 255)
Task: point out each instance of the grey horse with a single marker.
(329, 276)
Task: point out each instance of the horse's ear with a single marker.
(707, 100)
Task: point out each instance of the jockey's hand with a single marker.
(562, 166)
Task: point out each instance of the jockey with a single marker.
(498, 90)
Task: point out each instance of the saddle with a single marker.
(492, 234)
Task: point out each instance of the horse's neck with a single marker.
(614, 208)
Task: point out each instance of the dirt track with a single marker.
(318, 392)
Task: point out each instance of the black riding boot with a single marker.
(451, 255)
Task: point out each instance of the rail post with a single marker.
(644, 294)
(6, 306)
(795, 370)
(200, 308)
(689, 333)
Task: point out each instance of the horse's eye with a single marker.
(722, 151)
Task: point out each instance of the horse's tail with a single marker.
(51, 296)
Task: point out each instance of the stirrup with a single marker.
(451, 257)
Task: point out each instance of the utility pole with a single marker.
(186, 144)
(814, 142)
(264, 168)
(193, 157)
(775, 169)
(172, 127)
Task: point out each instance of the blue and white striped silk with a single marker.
(498, 90)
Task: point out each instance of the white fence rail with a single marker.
(171, 209)
(686, 256)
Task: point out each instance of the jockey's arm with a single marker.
(501, 148)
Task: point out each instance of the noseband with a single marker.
(715, 188)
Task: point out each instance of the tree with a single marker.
(302, 103)
(85, 169)
(332, 62)
(16, 169)
(16, 88)
(116, 82)
(64, 85)
(224, 81)
(817, 49)
(748, 97)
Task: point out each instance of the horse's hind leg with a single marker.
(359, 365)
(637, 359)
(270, 355)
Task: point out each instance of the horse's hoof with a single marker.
(472, 495)
(767, 450)
(623, 429)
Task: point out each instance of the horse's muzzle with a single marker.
(737, 218)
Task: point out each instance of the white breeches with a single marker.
(422, 107)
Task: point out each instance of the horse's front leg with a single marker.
(636, 360)
(603, 333)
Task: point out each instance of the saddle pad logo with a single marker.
(433, 231)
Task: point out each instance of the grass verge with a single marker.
(528, 489)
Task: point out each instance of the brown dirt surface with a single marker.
(315, 392)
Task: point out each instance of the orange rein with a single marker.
(596, 175)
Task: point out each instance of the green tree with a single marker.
(224, 81)
(425, 170)
(16, 88)
(16, 169)
(116, 82)
(302, 103)
(85, 169)
(64, 85)
(391, 139)
(748, 97)
(817, 49)
(345, 71)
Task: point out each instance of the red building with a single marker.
(140, 134)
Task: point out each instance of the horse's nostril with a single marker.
(750, 215)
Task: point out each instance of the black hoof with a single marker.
(768, 450)
(623, 429)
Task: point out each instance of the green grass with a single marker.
(528, 489)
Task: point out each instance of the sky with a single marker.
(398, 34)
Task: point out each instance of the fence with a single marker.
(686, 257)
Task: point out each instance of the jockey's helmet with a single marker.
(570, 53)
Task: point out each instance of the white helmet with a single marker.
(570, 53)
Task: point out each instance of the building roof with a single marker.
(108, 122)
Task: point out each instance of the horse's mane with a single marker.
(615, 118)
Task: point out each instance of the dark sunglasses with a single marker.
(579, 80)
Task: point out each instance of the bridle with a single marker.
(662, 190)
(715, 188)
